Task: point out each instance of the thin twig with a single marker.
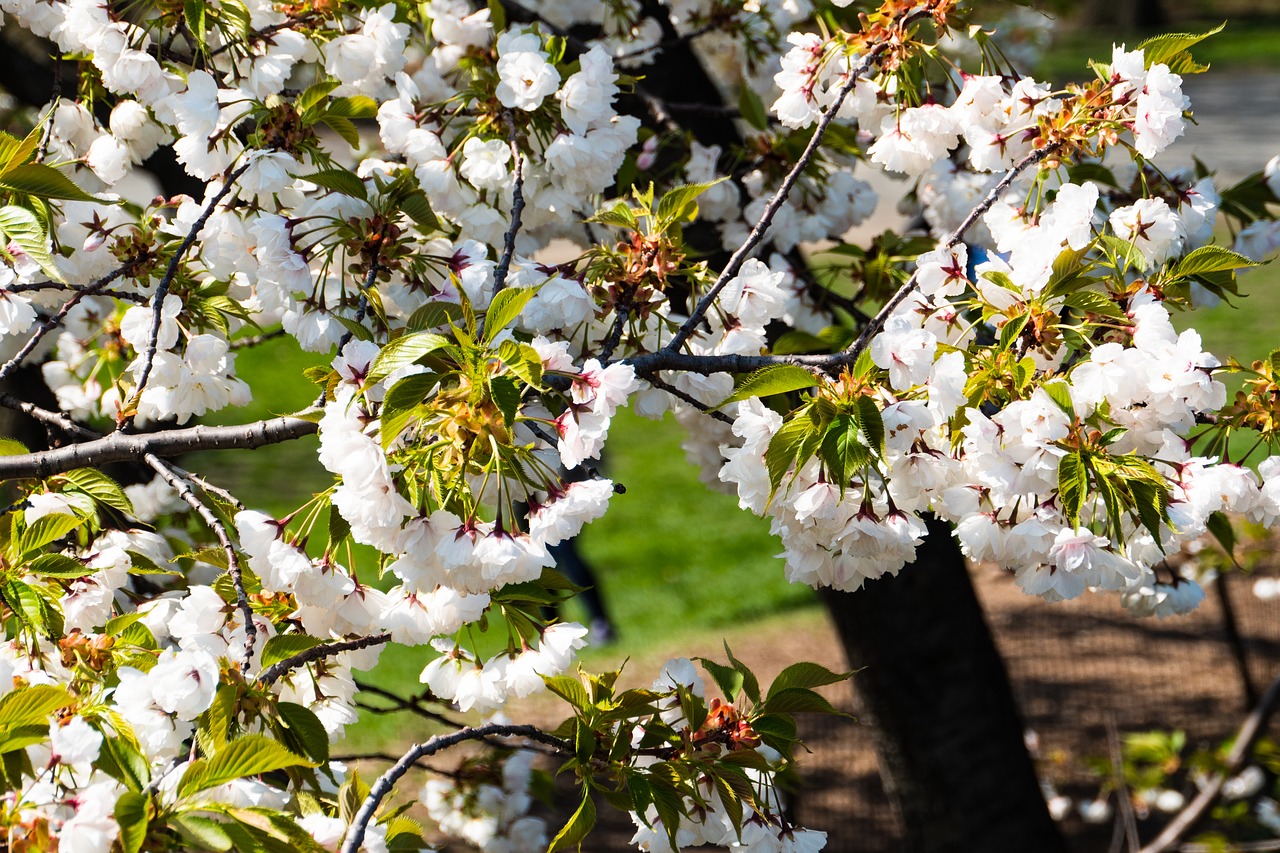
(670, 43)
(513, 230)
(1124, 803)
(171, 272)
(183, 488)
(775, 204)
(272, 673)
(690, 399)
(52, 322)
(58, 420)
(1250, 730)
(41, 286)
(622, 313)
(877, 322)
(382, 787)
(256, 340)
(124, 447)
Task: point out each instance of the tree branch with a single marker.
(1241, 749)
(183, 488)
(272, 673)
(382, 787)
(688, 398)
(125, 447)
(57, 420)
(775, 204)
(855, 349)
(171, 272)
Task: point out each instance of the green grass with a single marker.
(1243, 45)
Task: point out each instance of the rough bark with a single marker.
(947, 731)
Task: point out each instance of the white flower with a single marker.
(484, 164)
(525, 79)
(75, 742)
(183, 683)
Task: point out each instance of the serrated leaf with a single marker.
(570, 689)
(433, 315)
(786, 446)
(1162, 49)
(1072, 486)
(418, 208)
(752, 108)
(774, 379)
(314, 95)
(57, 566)
(504, 309)
(573, 832)
(506, 395)
(25, 230)
(308, 733)
(750, 684)
(343, 127)
(340, 181)
(619, 215)
(201, 832)
(43, 181)
(194, 13)
(12, 447)
(121, 761)
(1093, 302)
(728, 679)
(251, 755)
(1207, 259)
(797, 700)
(100, 487)
(523, 360)
(679, 204)
(353, 106)
(48, 528)
(131, 813)
(32, 704)
(806, 674)
(1060, 393)
(403, 351)
(842, 450)
(1010, 331)
(872, 423)
(283, 646)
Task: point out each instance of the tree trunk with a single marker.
(947, 732)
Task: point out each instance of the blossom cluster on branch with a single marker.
(501, 237)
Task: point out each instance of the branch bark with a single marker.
(128, 447)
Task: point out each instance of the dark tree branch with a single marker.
(127, 447)
(387, 781)
(183, 488)
(57, 420)
(272, 673)
(688, 398)
(171, 272)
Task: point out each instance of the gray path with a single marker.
(1238, 123)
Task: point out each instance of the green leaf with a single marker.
(872, 423)
(14, 152)
(418, 208)
(340, 181)
(121, 761)
(786, 446)
(1072, 485)
(433, 315)
(43, 181)
(344, 128)
(132, 814)
(523, 360)
(619, 215)
(806, 674)
(355, 106)
(23, 228)
(202, 832)
(1207, 259)
(194, 12)
(48, 528)
(283, 646)
(679, 204)
(506, 395)
(306, 731)
(32, 704)
(1060, 393)
(505, 308)
(100, 487)
(570, 689)
(1169, 48)
(573, 832)
(313, 96)
(403, 351)
(1093, 302)
(728, 679)
(750, 684)
(251, 755)
(752, 108)
(774, 379)
(841, 449)
(797, 700)
(1010, 331)
(12, 447)
(58, 566)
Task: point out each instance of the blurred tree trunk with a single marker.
(934, 690)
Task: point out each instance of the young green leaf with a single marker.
(251, 755)
(774, 379)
